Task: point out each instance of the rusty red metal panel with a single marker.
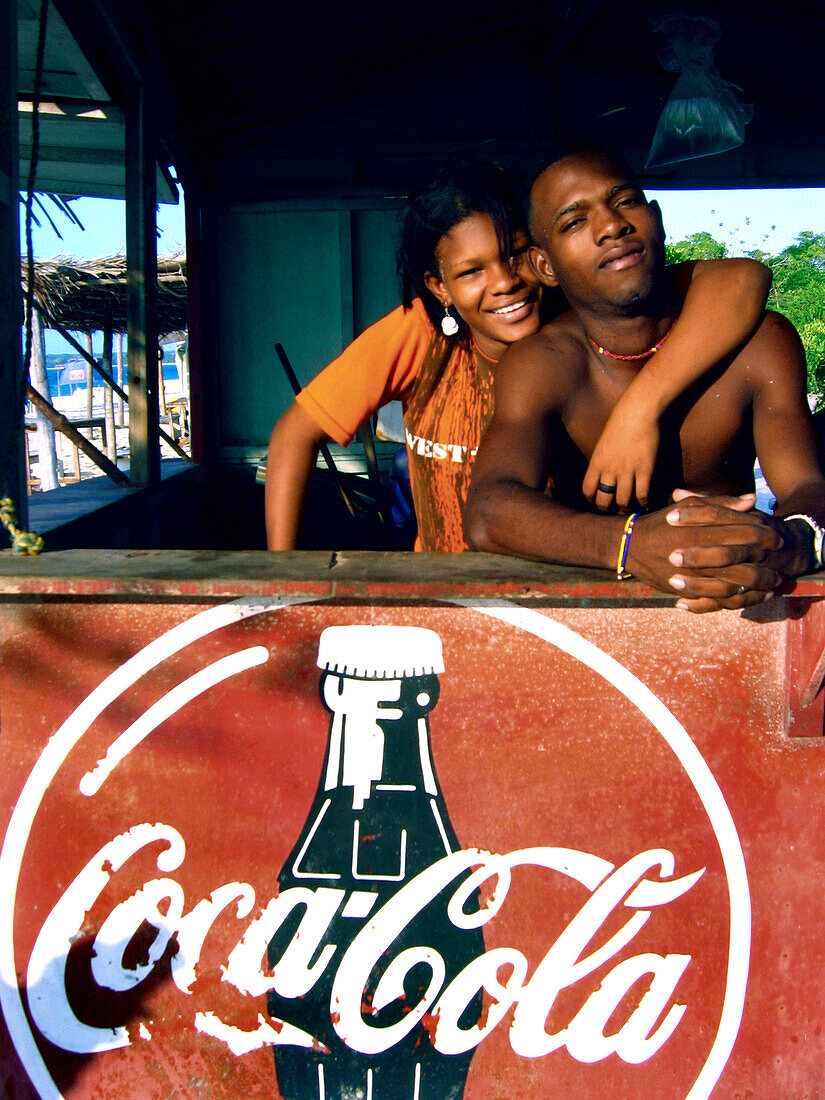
(806, 668)
(214, 848)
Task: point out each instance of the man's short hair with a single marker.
(562, 151)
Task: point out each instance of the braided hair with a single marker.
(462, 188)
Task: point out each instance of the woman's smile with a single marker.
(517, 311)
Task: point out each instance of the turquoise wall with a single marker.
(310, 279)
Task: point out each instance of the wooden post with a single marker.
(46, 456)
(104, 374)
(182, 363)
(161, 387)
(141, 309)
(85, 355)
(119, 406)
(80, 441)
(12, 451)
(90, 378)
(194, 342)
(108, 394)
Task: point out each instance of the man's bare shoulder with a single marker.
(545, 368)
(775, 327)
(773, 354)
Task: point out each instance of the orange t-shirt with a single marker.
(447, 393)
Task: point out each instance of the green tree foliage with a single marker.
(698, 246)
(798, 289)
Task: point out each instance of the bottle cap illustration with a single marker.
(380, 652)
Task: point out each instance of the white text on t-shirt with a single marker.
(430, 448)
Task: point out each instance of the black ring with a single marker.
(609, 489)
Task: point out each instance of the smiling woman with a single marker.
(495, 294)
(468, 293)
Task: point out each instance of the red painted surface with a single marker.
(533, 748)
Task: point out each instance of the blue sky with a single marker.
(744, 220)
(103, 233)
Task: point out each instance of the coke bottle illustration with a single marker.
(377, 821)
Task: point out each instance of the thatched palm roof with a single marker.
(80, 293)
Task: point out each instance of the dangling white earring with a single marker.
(449, 325)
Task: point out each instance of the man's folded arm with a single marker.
(716, 551)
(785, 439)
(507, 510)
(786, 446)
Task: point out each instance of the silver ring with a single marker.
(740, 589)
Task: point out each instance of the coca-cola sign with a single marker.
(372, 851)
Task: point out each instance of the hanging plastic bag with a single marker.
(703, 114)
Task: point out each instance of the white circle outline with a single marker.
(532, 622)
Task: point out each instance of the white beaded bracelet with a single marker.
(818, 532)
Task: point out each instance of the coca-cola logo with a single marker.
(594, 985)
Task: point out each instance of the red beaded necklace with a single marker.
(631, 358)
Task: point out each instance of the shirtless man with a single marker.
(602, 242)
